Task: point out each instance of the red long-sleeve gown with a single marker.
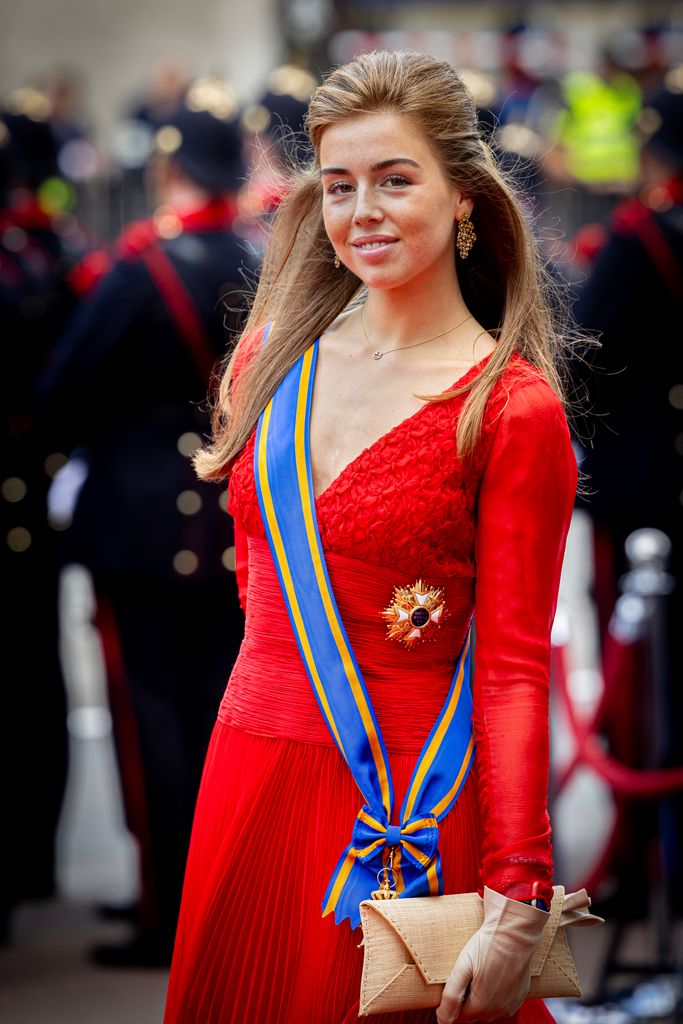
(277, 803)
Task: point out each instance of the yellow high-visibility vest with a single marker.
(597, 127)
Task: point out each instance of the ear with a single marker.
(465, 205)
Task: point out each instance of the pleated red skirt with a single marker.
(277, 806)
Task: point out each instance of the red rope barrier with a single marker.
(624, 780)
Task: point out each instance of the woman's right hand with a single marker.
(492, 974)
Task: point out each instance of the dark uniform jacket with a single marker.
(634, 299)
(125, 388)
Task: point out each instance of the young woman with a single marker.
(399, 457)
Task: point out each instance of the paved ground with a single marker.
(45, 977)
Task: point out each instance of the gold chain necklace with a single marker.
(377, 354)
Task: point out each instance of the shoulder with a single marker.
(523, 390)
(522, 400)
(248, 346)
(526, 442)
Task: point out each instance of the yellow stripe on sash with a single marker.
(370, 847)
(443, 804)
(286, 573)
(433, 879)
(415, 826)
(400, 882)
(369, 820)
(342, 875)
(347, 660)
(431, 752)
(420, 857)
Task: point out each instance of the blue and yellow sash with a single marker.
(284, 485)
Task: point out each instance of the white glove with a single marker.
(491, 977)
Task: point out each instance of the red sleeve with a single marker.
(524, 509)
(241, 565)
(248, 347)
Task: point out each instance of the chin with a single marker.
(383, 278)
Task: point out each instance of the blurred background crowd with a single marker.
(143, 151)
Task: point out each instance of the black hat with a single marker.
(204, 137)
(281, 111)
(662, 120)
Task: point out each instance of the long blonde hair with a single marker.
(503, 283)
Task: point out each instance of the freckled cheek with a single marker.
(336, 225)
(426, 237)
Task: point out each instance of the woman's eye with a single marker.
(397, 180)
(338, 187)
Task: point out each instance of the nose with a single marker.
(368, 208)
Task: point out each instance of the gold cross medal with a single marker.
(415, 613)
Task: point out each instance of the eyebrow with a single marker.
(382, 165)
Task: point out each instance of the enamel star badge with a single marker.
(414, 614)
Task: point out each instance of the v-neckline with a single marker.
(388, 433)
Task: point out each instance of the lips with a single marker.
(373, 249)
(370, 243)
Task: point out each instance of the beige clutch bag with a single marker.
(410, 947)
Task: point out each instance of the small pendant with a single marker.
(385, 892)
(377, 354)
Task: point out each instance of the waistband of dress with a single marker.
(269, 692)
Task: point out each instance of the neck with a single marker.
(427, 305)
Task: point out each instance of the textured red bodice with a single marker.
(406, 501)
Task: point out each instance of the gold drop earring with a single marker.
(466, 236)
(337, 262)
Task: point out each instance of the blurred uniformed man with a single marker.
(128, 385)
(634, 300)
(39, 242)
